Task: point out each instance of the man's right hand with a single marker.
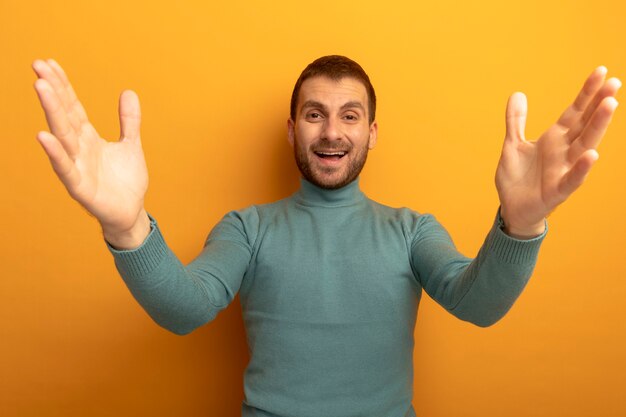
(109, 179)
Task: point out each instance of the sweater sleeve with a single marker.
(479, 290)
(181, 298)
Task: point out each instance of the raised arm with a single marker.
(533, 178)
(109, 179)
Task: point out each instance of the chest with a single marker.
(333, 265)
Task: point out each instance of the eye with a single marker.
(351, 117)
(313, 115)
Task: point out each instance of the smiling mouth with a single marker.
(331, 155)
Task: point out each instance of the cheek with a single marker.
(300, 148)
(304, 137)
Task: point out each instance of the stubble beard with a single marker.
(321, 176)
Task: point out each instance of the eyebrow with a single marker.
(348, 105)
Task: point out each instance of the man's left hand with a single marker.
(533, 178)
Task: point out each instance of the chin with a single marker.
(329, 183)
(329, 179)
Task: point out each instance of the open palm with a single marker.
(533, 178)
(109, 179)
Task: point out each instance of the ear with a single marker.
(373, 135)
(291, 134)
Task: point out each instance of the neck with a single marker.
(310, 194)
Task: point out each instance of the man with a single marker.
(329, 280)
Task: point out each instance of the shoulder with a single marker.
(252, 215)
(414, 224)
(247, 223)
(402, 214)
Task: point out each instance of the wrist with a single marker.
(128, 238)
(524, 232)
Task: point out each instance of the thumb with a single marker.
(516, 111)
(130, 115)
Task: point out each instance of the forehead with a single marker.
(332, 92)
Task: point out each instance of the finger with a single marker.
(577, 174)
(591, 86)
(75, 105)
(56, 116)
(593, 132)
(516, 111)
(46, 72)
(130, 115)
(609, 89)
(59, 159)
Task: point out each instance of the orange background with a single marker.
(215, 79)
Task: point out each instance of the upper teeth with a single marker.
(332, 153)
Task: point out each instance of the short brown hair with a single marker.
(335, 67)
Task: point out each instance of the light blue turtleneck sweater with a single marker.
(329, 283)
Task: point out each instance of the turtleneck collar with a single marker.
(312, 195)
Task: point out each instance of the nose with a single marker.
(332, 129)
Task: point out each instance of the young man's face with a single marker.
(331, 133)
